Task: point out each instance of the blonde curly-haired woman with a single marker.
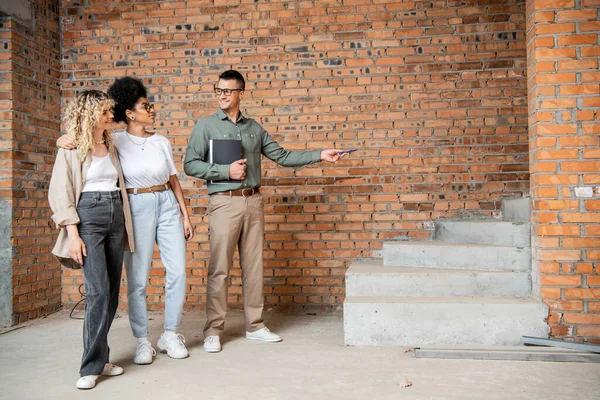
(89, 204)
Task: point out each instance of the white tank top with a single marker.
(102, 176)
(145, 162)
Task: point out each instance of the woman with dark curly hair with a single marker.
(159, 216)
(89, 204)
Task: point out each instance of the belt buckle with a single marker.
(244, 192)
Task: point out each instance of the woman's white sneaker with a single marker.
(174, 344)
(87, 382)
(264, 335)
(212, 344)
(144, 353)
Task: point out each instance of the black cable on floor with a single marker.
(76, 304)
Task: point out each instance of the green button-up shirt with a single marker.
(255, 141)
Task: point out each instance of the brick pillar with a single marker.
(5, 182)
(563, 51)
(30, 108)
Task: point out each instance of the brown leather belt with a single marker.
(239, 192)
(151, 189)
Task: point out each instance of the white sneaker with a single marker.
(89, 381)
(86, 382)
(112, 370)
(212, 344)
(264, 335)
(173, 344)
(144, 353)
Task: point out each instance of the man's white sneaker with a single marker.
(144, 353)
(212, 344)
(87, 382)
(112, 370)
(264, 335)
(173, 344)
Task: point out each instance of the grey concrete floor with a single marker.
(40, 361)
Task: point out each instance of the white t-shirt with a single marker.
(102, 176)
(144, 162)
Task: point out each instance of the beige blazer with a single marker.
(66, 184)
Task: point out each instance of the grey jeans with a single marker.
(102, 229)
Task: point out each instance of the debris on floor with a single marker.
(405, 383)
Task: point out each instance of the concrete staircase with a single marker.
(470, 285)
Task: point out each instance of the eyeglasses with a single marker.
(226, 92)
(148, 107)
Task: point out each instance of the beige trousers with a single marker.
(235, 220)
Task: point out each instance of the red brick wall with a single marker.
(564, 98)
(31, 111)
(432, 93)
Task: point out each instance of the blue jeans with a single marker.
(102, 229)
(156, 219)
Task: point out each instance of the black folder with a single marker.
(224, 151)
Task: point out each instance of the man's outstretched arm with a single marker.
(297, 158)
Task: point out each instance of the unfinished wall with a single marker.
(432, 93)
(564, 98)
(30, 106)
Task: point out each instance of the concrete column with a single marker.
(5, 264)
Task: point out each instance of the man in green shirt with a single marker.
(236, 209)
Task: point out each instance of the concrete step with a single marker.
(456, 255)
(419, 321)
(372, 278)
(503, 233)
